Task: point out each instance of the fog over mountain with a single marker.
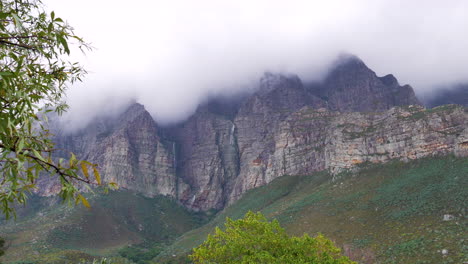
(172, 55)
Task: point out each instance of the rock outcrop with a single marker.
(284, 128)
(311, 140)
(128, 150)
(207, 159)
(352, 87)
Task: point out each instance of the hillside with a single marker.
(394, 213)
(48, 231)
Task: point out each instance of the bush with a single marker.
(253, 239)
(140, 255)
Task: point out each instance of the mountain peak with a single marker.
(351, 86)
(349, 65)
(135, 107)
(134, 111)
(271, 81)
(350, 59)
(389, 80)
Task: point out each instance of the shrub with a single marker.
(253, 239)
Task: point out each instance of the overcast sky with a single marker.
(169, 55)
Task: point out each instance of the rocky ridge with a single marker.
(285, 128)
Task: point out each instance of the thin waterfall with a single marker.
(174, 155)
(231, 136)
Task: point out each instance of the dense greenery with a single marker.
(34, 74)
(253, 239)
(140, 255)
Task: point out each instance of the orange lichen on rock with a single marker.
(257, 162)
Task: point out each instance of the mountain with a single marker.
(301, 152)
(284, 128)
(352, 87)
(128, 150)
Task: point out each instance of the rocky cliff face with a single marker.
(317, 139)
(352, 87)
(311, 140)
(207, 159)
(128, 151)
(285, 127)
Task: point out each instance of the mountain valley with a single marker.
(355, 156)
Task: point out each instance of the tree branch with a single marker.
(24, 37)
(18, 45)
(47, 165)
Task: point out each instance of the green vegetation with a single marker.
(417, 113)
(140, 255)
(422, 192)
(119, 222)
(72, 256)
(253, 239)
(390, 213)
(407, 247)
(34, 74)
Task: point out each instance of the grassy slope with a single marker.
(384, 214)
(115, 220)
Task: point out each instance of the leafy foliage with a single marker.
(255, 240)
(34, 74)
(140, 255)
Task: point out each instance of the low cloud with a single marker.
(171, 55)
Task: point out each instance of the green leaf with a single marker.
(84, 201)
(4, 15)
(113, 185)
(97, 175)
(38, 155)
(17, 20)
(20, 145)
(85, 170)
(72, 160)
(64, 43)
